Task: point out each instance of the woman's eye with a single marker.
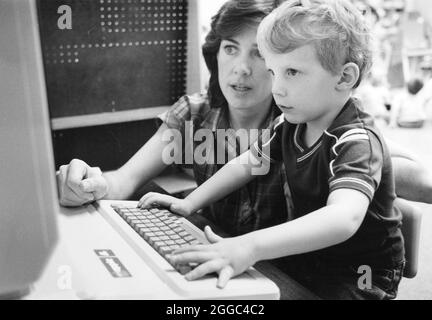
(230, 50)
(291, 72)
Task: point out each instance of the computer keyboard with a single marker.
(159, 228)
(154, 233)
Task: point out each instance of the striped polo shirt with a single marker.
(350, 154)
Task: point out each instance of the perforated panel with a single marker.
(119, 54)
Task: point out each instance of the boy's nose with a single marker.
(278, 89)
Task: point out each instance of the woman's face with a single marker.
(243, 76)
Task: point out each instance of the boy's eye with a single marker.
(230, 50)
(270, 71)
(291, 72)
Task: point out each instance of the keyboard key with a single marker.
(159, 244)
(149, 235)
(159, 214)
(140, 226)
(183, 233)
(154, 239)
(177, 229)
(189, 238)
(165, 250)
(161, 229)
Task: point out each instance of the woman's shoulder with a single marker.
(189, 106)
(186, 108)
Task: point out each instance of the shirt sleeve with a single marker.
(176, 116)
(357, 163)
(269, 144)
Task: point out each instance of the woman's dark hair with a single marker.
(233, 17)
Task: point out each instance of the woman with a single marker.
(239, 97)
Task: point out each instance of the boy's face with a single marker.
(302, 88)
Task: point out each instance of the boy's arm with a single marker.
(338, 221)
(236, 173)
(229, 178)
(328, 226)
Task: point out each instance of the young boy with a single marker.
(337, 164)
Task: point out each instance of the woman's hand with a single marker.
(181, 206)
(78, 184)
(228, 257)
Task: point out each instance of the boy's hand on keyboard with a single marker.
(179, 206)
(228, 257)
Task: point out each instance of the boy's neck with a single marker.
(314, 129)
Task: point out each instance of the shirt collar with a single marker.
(346, 114)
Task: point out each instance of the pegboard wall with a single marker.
(118, 55)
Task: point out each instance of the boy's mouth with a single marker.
(284, 107)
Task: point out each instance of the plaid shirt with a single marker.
(261, 203)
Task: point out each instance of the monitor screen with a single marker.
(28, 197)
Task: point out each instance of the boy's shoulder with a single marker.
(353, 122)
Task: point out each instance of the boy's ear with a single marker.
(349, 76)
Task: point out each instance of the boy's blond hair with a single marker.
(336, 28)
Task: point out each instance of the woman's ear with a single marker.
(349, 76)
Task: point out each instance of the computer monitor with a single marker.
(28, 197)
